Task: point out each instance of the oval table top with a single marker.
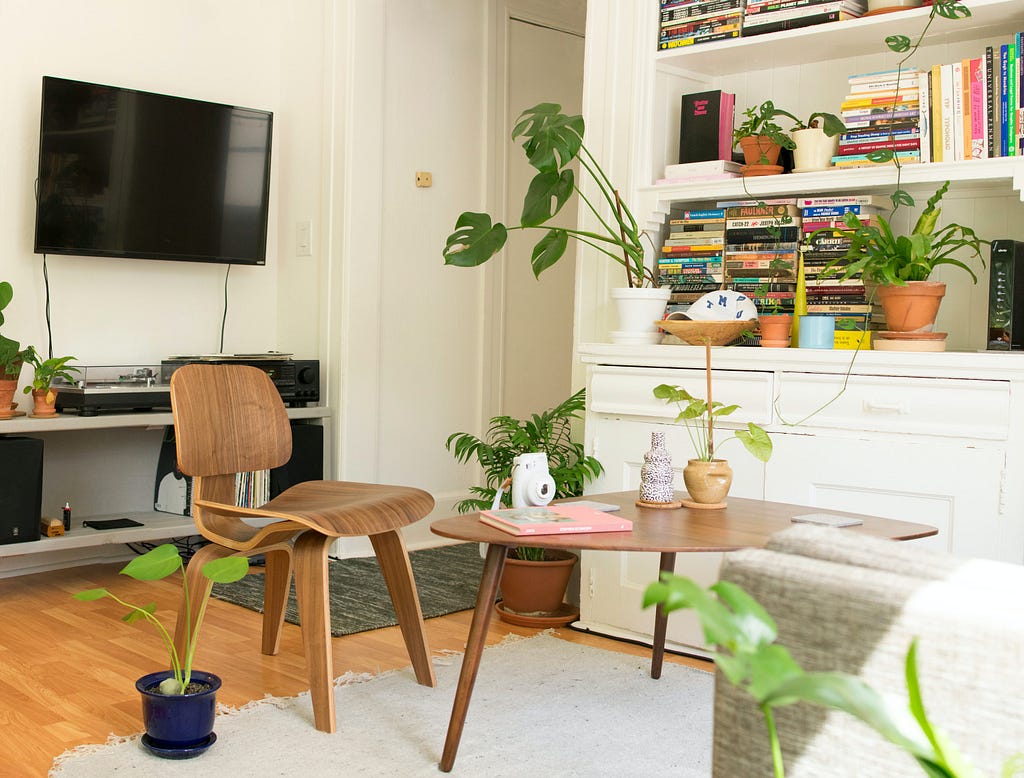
(743, 523)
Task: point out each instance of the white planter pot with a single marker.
(638, 309)
(814, 149)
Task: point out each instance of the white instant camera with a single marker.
(531, 482)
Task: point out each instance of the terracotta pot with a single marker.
(775, 329)
(536, 587)
(7, 389)
(707, 482)
(44, 401)
(753, 147)
(913, 307)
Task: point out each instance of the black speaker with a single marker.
(307, 462)
(1006, 296)
(21, 498)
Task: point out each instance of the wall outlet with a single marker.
(424, 178)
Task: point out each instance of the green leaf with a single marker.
(227, 569)
(6, 293)
(155, 564)
(771, 666)
(553, 139)
(756, 441)
(139, 613)
(898, 43)
(880, 156)
(548, 192)
(756, 626)
(548, 250)
(91, 594)
(901, 197)
(474, 241)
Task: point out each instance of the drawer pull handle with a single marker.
(883, 407)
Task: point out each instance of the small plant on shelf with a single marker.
(760, 137)
(45, 371)
(698, 416)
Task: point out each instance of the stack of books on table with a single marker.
(775, 15)
(847, 300)
(882, 111)
(761, 241)
(691, 258)
(690, 22)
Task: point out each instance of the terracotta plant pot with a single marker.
(775, 329)
(756, 146)
(44, 402)
(7, 390)
(536, 587)
(913, 307)
(708, 482)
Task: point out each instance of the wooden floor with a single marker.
(67, 668)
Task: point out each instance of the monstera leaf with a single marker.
(552, 139)
(548, 192)
(474, 241)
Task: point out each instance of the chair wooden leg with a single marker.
(196, 587)
(394, 564)
(276, 580)
(311, 591)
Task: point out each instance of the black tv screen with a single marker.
(124, 173)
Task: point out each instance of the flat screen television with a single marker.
(124, 173)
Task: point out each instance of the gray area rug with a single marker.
(447, 578)
(542, 706)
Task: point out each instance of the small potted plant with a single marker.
(902, 265)
(44, 396)
(774, 324)
(706, 476)
(570, 468)
(553, 143)
(179, 704)
(11, 359)
(761, 139)
(817, 141)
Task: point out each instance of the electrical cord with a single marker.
(223, 321)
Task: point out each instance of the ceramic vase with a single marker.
(638, 309)
(814, 150)
(656, 475)
(707, 482)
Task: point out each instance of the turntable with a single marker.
(113, 388)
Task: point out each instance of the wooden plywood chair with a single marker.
(230, 419)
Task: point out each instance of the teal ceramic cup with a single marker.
(817, 331)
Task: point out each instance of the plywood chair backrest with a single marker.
(228, 419)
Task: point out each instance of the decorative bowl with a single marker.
(712, 333)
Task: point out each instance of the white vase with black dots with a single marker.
(657, 487)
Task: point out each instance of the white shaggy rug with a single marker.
(540, 706)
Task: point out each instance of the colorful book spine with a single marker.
(710, 213)
(818, 211)
(924, 123)
(991, 130)
(1011, 100)
(938, 151)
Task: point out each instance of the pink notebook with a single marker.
(554, 520)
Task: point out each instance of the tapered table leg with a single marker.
(668, 564)
(493, 565)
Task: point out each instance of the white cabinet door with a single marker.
(612, 583)
(952, 485)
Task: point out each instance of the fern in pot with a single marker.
(570, 468)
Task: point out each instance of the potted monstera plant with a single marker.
(553, 143)
(534, 580)
(178, 704)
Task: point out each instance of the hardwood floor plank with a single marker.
(68, 668)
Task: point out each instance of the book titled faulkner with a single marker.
(705, 126)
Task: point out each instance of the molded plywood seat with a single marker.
(229, 419)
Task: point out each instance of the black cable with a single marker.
(49, 328)
(223, 321)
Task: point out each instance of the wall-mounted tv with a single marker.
(124, 173)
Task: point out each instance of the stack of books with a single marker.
(691, 258)
(690, 22)
(848, 300)
(695, 172)
(761, 250)
(881, 111)
(762, 16)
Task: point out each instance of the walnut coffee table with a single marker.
(742, 524)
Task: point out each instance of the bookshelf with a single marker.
(891, 446)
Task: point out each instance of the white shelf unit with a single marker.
(101, 463)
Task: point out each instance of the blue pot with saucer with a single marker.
(178, 726)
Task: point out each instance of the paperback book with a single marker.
(554, 520)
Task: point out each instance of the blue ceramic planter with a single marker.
(178, 726)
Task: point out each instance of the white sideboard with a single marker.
(930, 438)
(105, 465)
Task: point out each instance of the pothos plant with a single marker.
(698, 416)
(552, 142)
(46, 370)
(759, 122)
(507, 437)
(746, 653)
(159, 563)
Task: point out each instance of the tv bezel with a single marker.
(258, 261)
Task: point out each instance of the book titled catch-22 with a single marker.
(554, 520)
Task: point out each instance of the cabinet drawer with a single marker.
(950, 407)
(629, 391)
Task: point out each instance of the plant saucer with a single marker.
(187, 752)
(566, 614)
(760, 170)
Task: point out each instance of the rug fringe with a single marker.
(88, 748)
